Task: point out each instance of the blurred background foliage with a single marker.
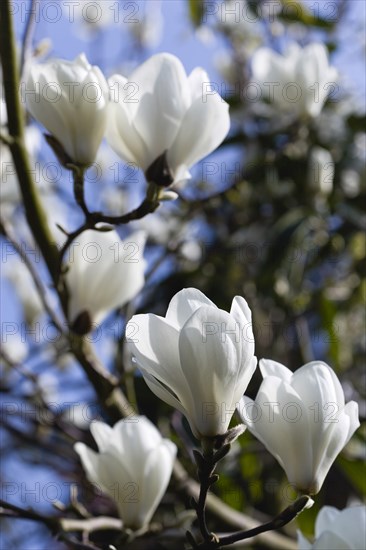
(258, 219)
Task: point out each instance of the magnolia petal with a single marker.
(210, 355)
(147, 74)
(204, 126)
(336, 437)
(330, 540)
(273, 368)
(262, 62)
(134, 437)
(339, 529)
(121, 133)
(49, 114)
(199, 83)
(126, 274)
(245, 374)
(279, 421)
(317, 382)
(348, 525)
(184, 304)
(155, 479)
(325, 519)
(119, 479)
(165, 394)
(303, 543)
(90, 461)
(240, 310)
(322, 395)
(97, 468)
(102, 433)
(163, 102)
(155, 348)
(181, 175)
(273, 72)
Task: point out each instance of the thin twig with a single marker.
(52, 523)
(100, 523)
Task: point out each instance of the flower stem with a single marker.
(279, 521)
(78, 175)
(206, 465)
(148, 206)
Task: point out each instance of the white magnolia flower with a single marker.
(103, 273)
(337, 530)
(133, 466)
(298, 81)
(321, 170)
(160, 110)
(70, 99)
(302, 419)
(199, 358)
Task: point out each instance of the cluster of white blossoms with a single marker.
(298, 81)
(200, 360)
(160, 119)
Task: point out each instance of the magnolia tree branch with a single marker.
(11, 510)
(57, 526)
(105, 384)
(33, 208)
